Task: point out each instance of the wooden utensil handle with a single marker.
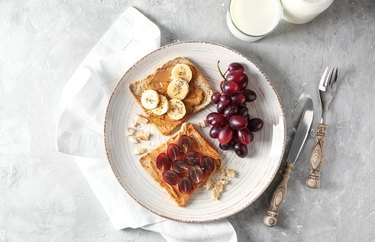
(317, 158)
(278, 197)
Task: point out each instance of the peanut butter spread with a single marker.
(160, 81)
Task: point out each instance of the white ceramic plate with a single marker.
(255, 172)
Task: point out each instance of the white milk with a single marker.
(255, 17)
(303, 11)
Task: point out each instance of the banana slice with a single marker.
(163, 106)
(150, 99)
(178, 89)
(181, 71)
(176, 110)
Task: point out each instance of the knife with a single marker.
(299, 139)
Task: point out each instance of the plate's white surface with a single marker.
(255, 172)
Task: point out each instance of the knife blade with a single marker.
(302, 132)
(298, 142)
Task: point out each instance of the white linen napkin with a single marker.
(80, 129)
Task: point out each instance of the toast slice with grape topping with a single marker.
(182, 164)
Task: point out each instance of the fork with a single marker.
(327, 89)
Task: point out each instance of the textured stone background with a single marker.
(43, 194)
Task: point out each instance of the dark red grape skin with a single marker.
(174, 152)
(163, 162)
(230, 110)
(216, 119)
(237, 122)
(235, 66)
(225, 100)
(227, 146)
(207, 164)
(250, 95)
(170, 177)
(230, 87)
(196, 174)
(235, 76)
(185, 185)
(255, 124)
(185, 142)
(240, 149)
(244, 136)
(244, 112)
(222, 85)
(192, 158)
(215, 98)
(225, 135)
(214, 132)
(243, 83)
(180, 166)
(238, 99)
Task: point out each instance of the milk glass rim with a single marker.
(280, 12)
(304, 2)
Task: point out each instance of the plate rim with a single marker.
(250, 201)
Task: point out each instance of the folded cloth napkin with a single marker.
(80, 129)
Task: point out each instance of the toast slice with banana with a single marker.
(172, 93)
(182, 164)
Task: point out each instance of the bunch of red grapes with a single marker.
(232, 124)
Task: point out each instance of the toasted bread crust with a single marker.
(137, 88)
(148, 161)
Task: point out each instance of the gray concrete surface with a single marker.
(43, 194)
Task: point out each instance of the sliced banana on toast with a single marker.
(181, 71)
(150, 99)
(163, 106)
(177, 109)
(178, 89)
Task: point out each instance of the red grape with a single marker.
(216, 119)
(255, 124)
(185, 142)
(174, 152)
(222, 85)
(235, 76)
(227, 146)
(215, 98)
(214, 132)
(237, 122)
(235, 66)
(243, 83)
(180, 166)
(185, 185)
(238, 99)
(244, 136)
(225, 135)
(250, 95)
(163, 162)
(196, 174)
(240, 149)
(230, 87)
(230, 110)
(170, 177)
(244, 112)
(225, 100)
(192, 158)
(207, 164)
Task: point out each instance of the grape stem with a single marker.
(221, 73)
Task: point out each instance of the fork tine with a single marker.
(329, 77)
(334, 77)
(323, 79)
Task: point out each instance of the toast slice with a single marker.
(200, 145)
(198, 97)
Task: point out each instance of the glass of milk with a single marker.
(303, 11)
(251, 20)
